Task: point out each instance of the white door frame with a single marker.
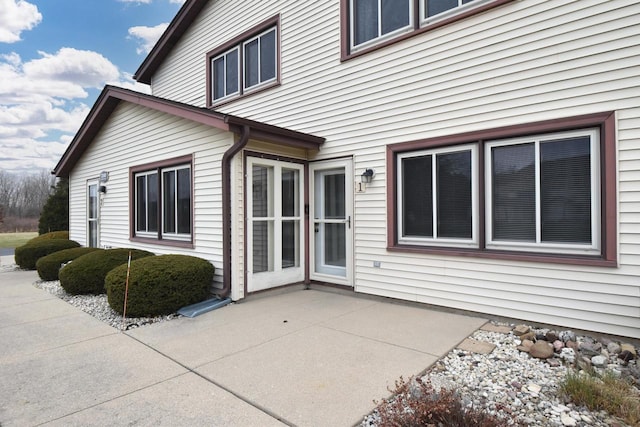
(276, 274)
(95, 186)
(319, 271)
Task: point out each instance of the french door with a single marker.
(275, 223)
(331, 208)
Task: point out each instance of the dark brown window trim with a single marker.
(237, 41)
(345, 33)
(158, 166)
(608, 216)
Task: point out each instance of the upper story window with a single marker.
(431, 10)
(367, 24)
(372, 20)
(245, 64)
(541, 191)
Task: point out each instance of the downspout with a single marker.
(226, 208)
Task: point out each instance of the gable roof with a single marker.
(180, 23)
(111, 96)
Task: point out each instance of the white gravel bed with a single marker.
(511, 384)
(98, 307)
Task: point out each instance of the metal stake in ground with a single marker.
(126, 292)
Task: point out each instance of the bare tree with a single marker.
(24, 195)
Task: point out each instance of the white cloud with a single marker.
(40, 102)
(17, 16)
(147, 36)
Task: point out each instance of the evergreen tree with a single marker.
(55, 213)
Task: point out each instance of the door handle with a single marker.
(348, 222)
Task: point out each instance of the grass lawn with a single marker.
(13, 240)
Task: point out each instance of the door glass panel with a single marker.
(334, 196)
(290, 192)
(262, 191)
(290, 243)
(92, 216)
(335, 245)
(330, 227)
(93, 201)
(262, 246)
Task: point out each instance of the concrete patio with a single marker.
(300, 357)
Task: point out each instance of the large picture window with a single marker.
(163, 201)
(244, 64)
(538, 191)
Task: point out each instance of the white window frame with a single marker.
(138, 232)
(539, 246)
(261, 82)
(381, 37)
(461, 8)
(175, 235)
(213, 74)
(435, 240)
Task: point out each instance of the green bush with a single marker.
(85, 275)
(28, 254)
(159, 285)
(52, 235)
(49, 266)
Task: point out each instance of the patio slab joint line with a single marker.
(233, 393)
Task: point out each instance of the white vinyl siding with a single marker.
(135, 135)
(523, 62)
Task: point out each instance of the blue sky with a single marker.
(55, 58)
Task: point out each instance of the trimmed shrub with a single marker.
(85, 275)
(28, 254)
(49, 266)
(52, 235)
(159, 285)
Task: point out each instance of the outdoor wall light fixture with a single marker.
(367, 176)
(102, 189)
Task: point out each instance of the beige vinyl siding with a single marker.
(136, 135)
(523, 62)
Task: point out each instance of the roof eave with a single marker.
(180, 23)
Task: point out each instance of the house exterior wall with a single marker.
(134, 136)
(523, 62)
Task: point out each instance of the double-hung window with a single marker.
(163, 201)
(541, 191)
(245, 64)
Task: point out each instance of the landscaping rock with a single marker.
(521, 330)
(541, 350)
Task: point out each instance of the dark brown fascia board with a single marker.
(180, 23)
(275, 134)
(111, 96)
(107, 102)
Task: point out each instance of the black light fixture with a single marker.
(367, 176)
(102, 189)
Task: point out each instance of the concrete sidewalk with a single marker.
(302, 357)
